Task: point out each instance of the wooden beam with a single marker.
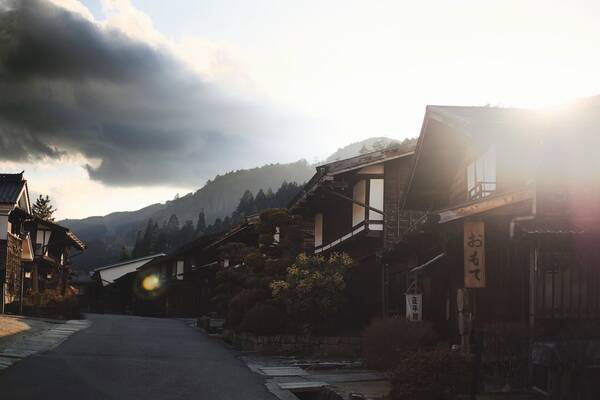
(353, 201)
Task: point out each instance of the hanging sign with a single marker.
(414, 307)
(474, 249)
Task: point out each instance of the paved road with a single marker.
(123, 357)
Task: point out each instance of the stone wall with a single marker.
(296, 344)
(12, 269)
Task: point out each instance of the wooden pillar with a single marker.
(533, 267)
(34, 278)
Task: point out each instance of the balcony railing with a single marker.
(481, 190)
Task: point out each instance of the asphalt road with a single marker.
(123, 357)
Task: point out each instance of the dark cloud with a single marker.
(67, 85)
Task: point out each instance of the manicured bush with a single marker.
(385, 341)
(264, 319)
(438, 374)
(313, 289)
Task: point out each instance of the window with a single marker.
(180, 270)
(41, 243)
(481, 175)
(359, 194)
(376, 201)
(318, 229)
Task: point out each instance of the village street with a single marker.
(124, 357)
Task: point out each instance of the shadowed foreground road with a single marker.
(123, 357)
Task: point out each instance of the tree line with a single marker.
(166, 237)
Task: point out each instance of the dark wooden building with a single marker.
(51, 268)
(353, 206)
(15, 241)
(34, 253)
(505, 204)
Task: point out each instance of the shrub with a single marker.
(385, 341)
(52, 304)
(240, 304)
(438, 374)
(264, 319)
(313, 289)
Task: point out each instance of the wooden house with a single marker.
(15, 242)
(353, 206)
(504, 208)
(34, 253)
(51, 267)
(112, 292)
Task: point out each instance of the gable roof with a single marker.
(365, 160)
(327, 171)
(127, 262)
(71, 237)
(11, 188)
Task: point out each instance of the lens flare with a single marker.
(150, 283)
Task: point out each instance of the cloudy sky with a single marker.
(115, 104)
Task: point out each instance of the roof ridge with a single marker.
(129, 261)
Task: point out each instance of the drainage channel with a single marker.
(323, 393)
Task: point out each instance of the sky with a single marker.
(116, 104)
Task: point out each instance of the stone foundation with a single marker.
(296, 344)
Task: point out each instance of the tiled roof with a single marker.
(11, 186)
(349, 164)
(551, 227)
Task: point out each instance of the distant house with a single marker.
(34, 253)
(51, 267)
(112, 294)
(185, 278)
(353, 206)
(109, 273)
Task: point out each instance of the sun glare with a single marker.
(150, 283)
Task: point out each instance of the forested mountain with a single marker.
(218, 198)
(155, 238)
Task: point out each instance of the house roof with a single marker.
(11, 187)
(364, 160)
(207, 241)
(71, 237)
(469, 120)
(135, 260)
(551, 227)
(326, 171)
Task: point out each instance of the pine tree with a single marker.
(124, 254)
(201, 224)
(137, 247)
(149, 239)
(260, 201)
(173, 224)
(246, 205)
(186, 233)
(43, 209)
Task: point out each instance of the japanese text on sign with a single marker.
(474, 248)
(414, 307)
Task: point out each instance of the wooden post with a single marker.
(21, 290)
(477, 365)
(533, 267)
